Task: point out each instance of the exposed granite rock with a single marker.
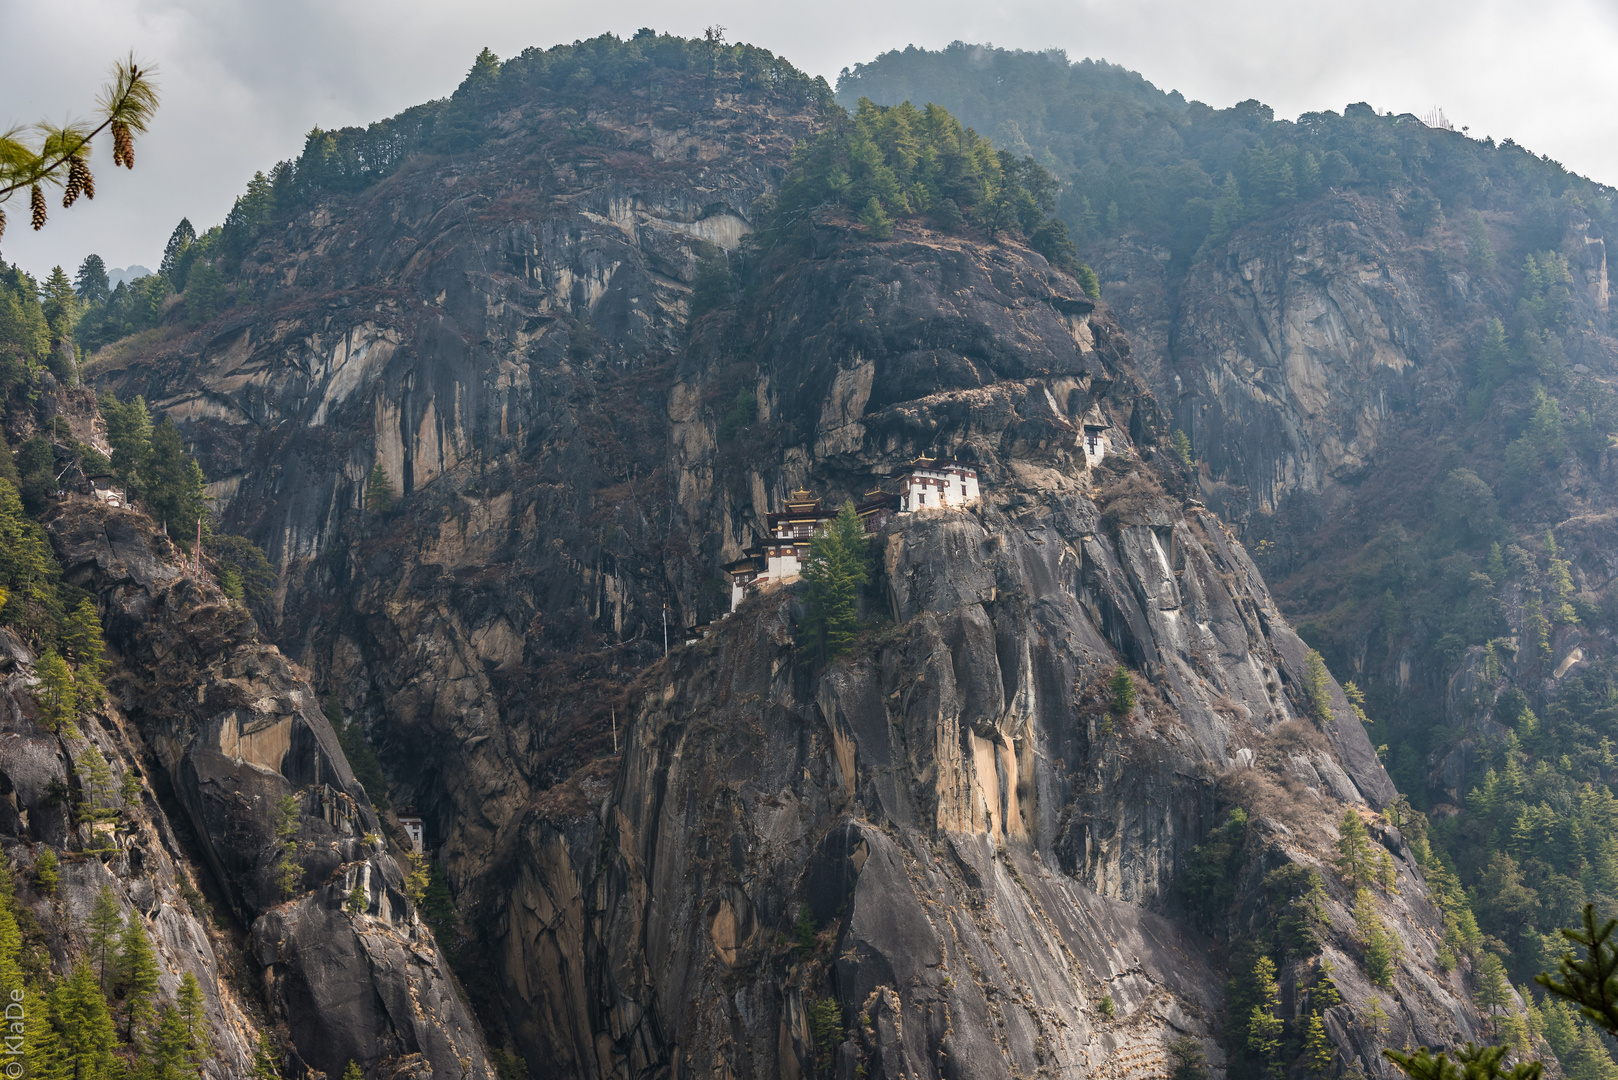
(145, 865)
(984, 856)
(983, 861)
(237, 731)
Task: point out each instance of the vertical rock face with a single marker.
(941, 856)
(147, 868)
(980, 853)
(286, 831)
(1312, 351)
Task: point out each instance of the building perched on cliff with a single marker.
(937, 482)
(1093, 439)
(780, 555)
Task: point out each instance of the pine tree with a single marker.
(204, 293)
(85, 1030)
(1494, 357)
(948, 217)
(1536, 628)
(838, 567)
(28, 567)
(353, 1072)
(1324, 994)
(174, 263)
(1496, 566)
(1386, 875)
(1558, 575)
(1493, 992)
(137, 974)
(167, 1047)
(1264, 1028)
(100, 790)
(1513, 1028)
(1355, 860)
(60, 303)
(1227, 214)
(82, 641)
(265, 1064)
(174, 485)
(1190, 1062)
(57, 698)
(1591, 1061)
(91, 283)
(1317, 687)
(106, 920)
(1318, 1051)
(1089, 282)
(1182, 448)
(1122, 686)
(289, 871)
(378, 491)
(1376, 1018)
(878, 225)
(1381, 948)
(418, 879)
(193, 1012)
(47, 872)
(129, 430)
(129, 787)
(1561, 1026)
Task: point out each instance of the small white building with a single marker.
(412, 828)
(935, 483)
(103, 491)
(1093, 437)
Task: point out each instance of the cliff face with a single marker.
(1326, 365)
(937, 857)
(223, 731)
(983, 862)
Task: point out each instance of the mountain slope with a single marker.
(1399, 381)
(939, 857)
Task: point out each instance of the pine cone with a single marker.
(78, 181)
(2, 223)
(36, 203)
(123, 147)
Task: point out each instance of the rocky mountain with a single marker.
(240, 842)
(498, 414)
(1390, 348)
(1322, 341)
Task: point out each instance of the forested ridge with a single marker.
(104, 1016)
(1463, 571)
(1133, 157)
(1069, 158)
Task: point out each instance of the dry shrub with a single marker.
(1296, 737)
(1262, 795)
(1130, 496)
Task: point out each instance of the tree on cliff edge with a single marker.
(838, 567)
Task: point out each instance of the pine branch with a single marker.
(1591, 983)
(127, 104)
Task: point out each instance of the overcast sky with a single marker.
(243, 81)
